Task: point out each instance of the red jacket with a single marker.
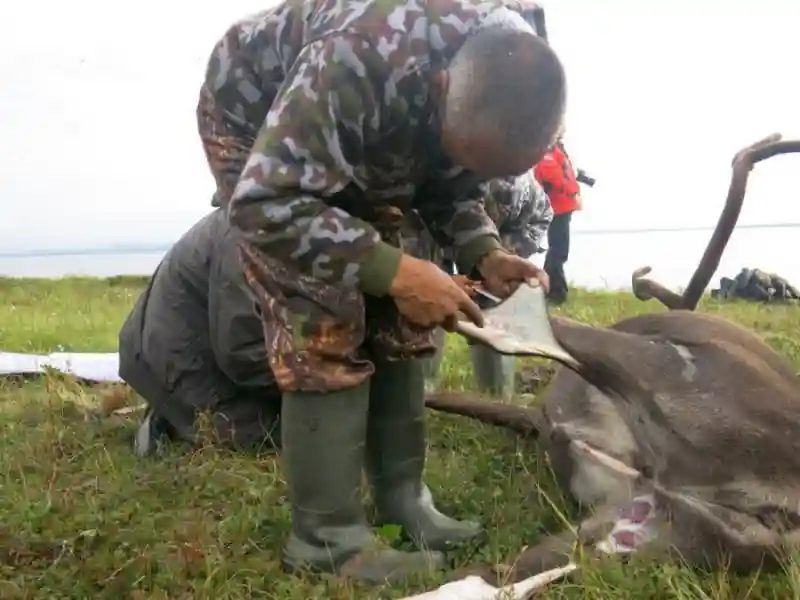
(556, 175)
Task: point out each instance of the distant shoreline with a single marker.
(87, 252)
(163, 248)
(122, 278)
(143, 279)
(595, 262)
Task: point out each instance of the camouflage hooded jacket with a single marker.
(522, 212)
(350, 131)
(519, 208)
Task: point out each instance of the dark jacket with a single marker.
(193, 342)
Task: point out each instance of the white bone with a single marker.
(475, 588)
(89, 365)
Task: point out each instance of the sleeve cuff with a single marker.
(378, 270)
(469, 254)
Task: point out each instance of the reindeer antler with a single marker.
(645, 288)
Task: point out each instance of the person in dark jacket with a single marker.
(756, 285)
(522, 212)
(194, 345)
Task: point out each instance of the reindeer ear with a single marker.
(611, 360)
(519, 326)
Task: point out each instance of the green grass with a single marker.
(80, 517)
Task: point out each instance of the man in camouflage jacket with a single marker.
(522, 212)
(348, 117)
(193, 344)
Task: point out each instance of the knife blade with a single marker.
(492, 299)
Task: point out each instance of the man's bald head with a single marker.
(503, 101)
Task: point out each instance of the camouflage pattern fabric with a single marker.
(317, 122)
(245, 71)
(522, 212)
(248, 65)
(320, 337)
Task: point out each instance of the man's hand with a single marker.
(428, 296)
(502, 273)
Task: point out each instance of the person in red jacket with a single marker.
(557, 176)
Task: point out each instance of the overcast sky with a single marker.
(99, 143)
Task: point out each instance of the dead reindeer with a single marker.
(679, 430)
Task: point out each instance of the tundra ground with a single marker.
(81, 517)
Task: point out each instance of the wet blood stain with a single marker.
(632, 528)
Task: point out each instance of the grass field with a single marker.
(81, 517)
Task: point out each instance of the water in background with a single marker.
(90, 265)
(596, 260)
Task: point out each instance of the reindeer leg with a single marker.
(553, 552)
(560, 549)
(645, 289)
(613, 532)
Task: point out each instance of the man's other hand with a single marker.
(502, 273)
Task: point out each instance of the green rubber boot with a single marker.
(495, 374)
(431, 365)
(324, 439)
(396, 459)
